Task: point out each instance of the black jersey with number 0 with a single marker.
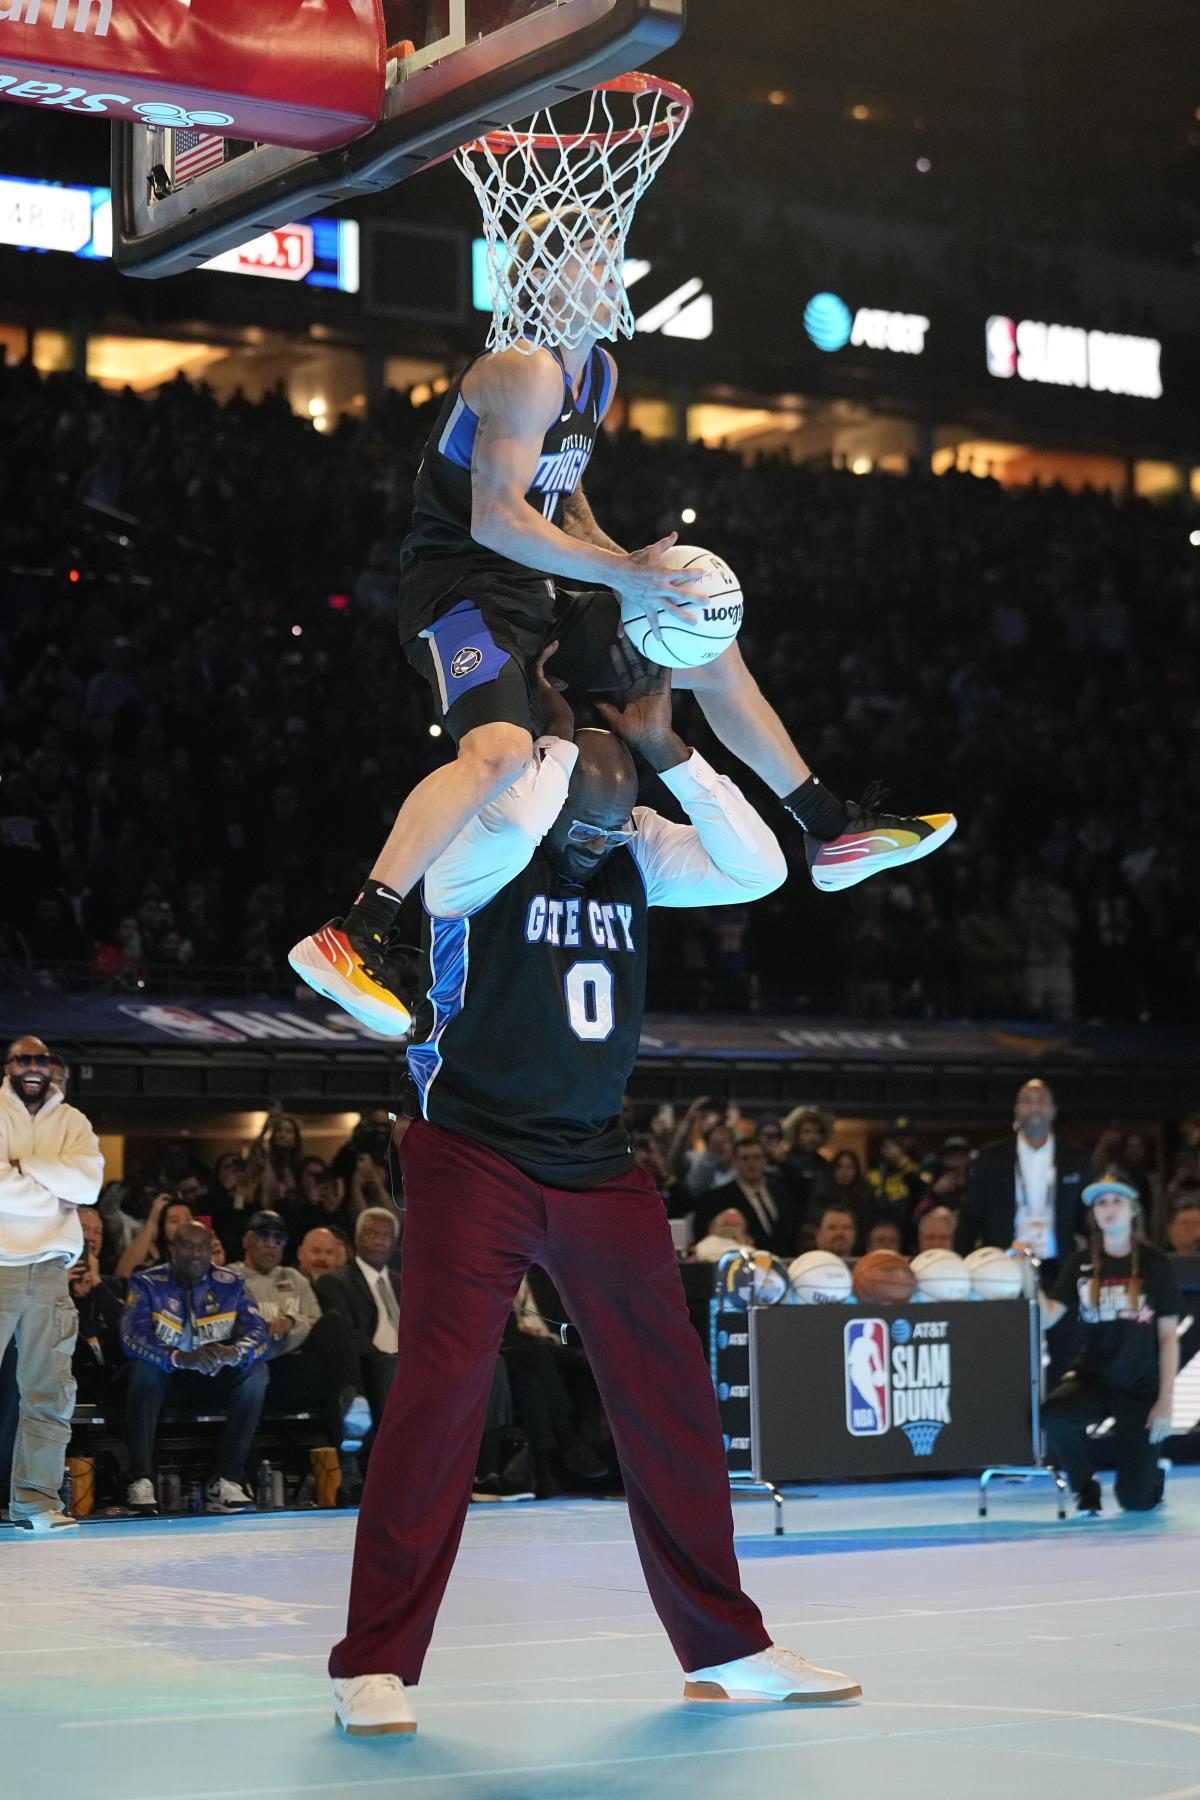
(532, 1018)
(440, 558)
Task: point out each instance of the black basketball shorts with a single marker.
(480, 663)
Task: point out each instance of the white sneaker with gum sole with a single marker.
(771, 1674)
(372, 1706)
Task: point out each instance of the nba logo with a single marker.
(1001, 346)
(868, 1399)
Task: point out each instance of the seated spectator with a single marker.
(361, 1165)
(275, 1161)
(324, 1202)
(365, 1293)
(231, 1200)
(195, 1336)
(946, 1177)
(883, 1235)
(727, 1230)
(712, 1167)
(806, 1131)
(935, 1229)
(153, 1242)
(648, 1155)
(98, 1357)
(768, 1210)
(1183, 1226)
(311, 1359)
(535, 1355)
(841, 1182)
(896, 1185)
(319, 1252)
(769, 1133)
(837, 1231)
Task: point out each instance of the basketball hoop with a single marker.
(558, 197)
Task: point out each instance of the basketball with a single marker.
(714, 608)
(819, 1278)
(994, 1274)
(884, 1277)
(941, 1275)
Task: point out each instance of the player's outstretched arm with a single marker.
(515, 398)
(728, 854)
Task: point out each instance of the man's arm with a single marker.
(1158, 1423)
(20, 1195)
(75, 1174)
(308, 1311)
(516, 397)
(253, 1340)
(137, 1334)
(579, 521)
(727, 854)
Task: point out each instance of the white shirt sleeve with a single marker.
(726, 855)
(499, 842)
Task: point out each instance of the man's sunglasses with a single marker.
(581, 832)
(29, 1062)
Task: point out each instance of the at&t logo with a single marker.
(831, 326)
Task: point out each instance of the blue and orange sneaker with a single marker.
(357, 973)
(874, 841)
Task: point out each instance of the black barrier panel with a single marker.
(729, 1358)
(842, 1393)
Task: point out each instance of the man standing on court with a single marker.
(536, 953)
(50, 1166)
(1028, 1190)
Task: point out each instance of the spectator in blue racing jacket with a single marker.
(196, 1334)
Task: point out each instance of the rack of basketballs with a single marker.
(885, 1278)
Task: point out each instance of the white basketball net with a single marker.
(557, 205)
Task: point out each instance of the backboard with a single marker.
(456, 68)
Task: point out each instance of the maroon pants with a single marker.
(473, 1227)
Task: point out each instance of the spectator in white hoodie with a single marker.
(50, 1165)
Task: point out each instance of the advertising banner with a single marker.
(840, 1393)
(202, 70)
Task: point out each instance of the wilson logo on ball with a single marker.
(712, 615)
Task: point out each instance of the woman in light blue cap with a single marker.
(1126, 1297)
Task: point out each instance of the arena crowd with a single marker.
(207, 721)
(311, 1252)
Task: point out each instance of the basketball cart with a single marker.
(233, 119)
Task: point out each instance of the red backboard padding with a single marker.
(308, 74)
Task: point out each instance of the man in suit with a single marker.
(770, 1213)
(367, 1294)
(1029, 1191)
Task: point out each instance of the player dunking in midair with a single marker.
(499, 519)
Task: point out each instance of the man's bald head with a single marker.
(602, 792)
(1033, 1114)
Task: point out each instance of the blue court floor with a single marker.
(1016, 1657)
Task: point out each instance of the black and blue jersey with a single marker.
(440, 561)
